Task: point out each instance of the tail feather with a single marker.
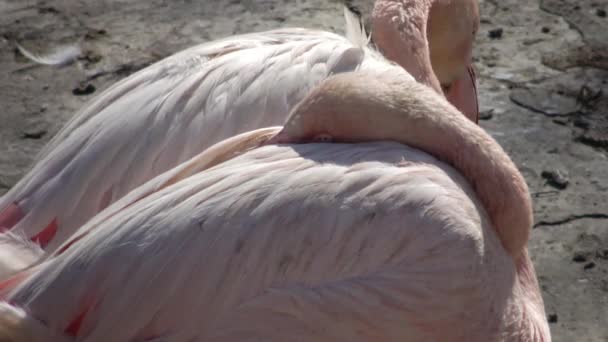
(17, 326)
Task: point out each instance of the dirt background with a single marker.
(543, 67)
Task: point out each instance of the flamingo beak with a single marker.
(462, 93)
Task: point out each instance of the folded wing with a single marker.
(164, 115)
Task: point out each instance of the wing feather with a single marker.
(315, 238)
(169, 112)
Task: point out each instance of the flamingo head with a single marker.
(433, 40)
(451, 28)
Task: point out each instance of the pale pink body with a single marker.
(169, 112)
(357, 241)
(391, 230)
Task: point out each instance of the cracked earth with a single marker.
(543, 67)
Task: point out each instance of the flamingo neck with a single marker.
(400, 32)
(358, 107)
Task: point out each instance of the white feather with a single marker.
(61, 56)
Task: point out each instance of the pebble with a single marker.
(552, 318)
(83, 90)
(486, 114)
(579, 257)
(34, 134)
(495, 33)
(589, 265)
(556, 179)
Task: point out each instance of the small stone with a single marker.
(601, 13)
(83, 90)
(589, 265)
(495, 33)
(556, 179)
(552, 318)
(34, 134)
(545, 29)
(486, 114)
(579, 257)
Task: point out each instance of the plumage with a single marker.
(217, 230)
(170, 112)
(253, 237)
(361, 241)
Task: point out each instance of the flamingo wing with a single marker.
(164, 115)
(323, 242)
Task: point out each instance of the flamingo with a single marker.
(390, 229)
(171, 111)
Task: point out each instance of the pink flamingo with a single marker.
(393, 231)
(171, 111)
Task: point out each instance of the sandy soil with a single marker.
(543, 68)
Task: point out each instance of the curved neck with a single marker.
(359, 107)
(400, 31)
